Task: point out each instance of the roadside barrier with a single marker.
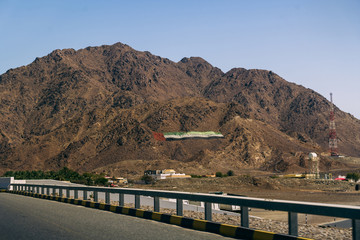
(197, 224)
(291, 207)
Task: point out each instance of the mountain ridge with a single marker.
(80, 108)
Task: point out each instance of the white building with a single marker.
(165, 174)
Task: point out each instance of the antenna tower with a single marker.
(332, 134)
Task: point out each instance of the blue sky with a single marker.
(314, 43)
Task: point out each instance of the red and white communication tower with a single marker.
(332, 134)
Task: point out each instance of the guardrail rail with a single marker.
(292, 207)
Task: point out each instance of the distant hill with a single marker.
(95, 109)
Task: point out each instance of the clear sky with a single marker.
(314, 43)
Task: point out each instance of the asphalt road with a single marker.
(24, 217)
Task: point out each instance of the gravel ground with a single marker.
(305, 230)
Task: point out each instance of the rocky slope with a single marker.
(96, 108)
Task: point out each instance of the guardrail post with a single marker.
(37, 189)
(76, 194)
(156, 204)
(107, 197)
(121, 199)
(42, 190)
(355, 229)
(48, 191)
(137, 201)
(244, 216)
(68, 193)
(293, 223)
(179, 207)
(60, 192)
(96, 196)
(53, 191)
(84, 195)
(208, 211)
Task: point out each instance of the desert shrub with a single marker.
(218, 174)
(353, 176)
(230, 173)
(148, 179)
(195, 176)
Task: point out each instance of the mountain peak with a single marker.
(98, 106)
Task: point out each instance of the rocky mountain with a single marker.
(95, 110)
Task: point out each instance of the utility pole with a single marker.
(332, 131)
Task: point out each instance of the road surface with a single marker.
(23, 217)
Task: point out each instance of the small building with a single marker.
(165, 174)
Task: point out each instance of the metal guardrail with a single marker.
(292, 207)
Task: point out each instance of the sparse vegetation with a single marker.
(195, 176)
(230, 173)
(148, 179)
(219, 174)
(64, 174)
(353, 176)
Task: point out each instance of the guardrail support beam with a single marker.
(355, 229)
(179, 207)
(244, 216)
(293, 223)
(96, 196)
(68, 193)
(76, 194)
(156, 204)
(121, 200)
(137, 201)
(84, 195)
(208, 211)
(107, 197)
